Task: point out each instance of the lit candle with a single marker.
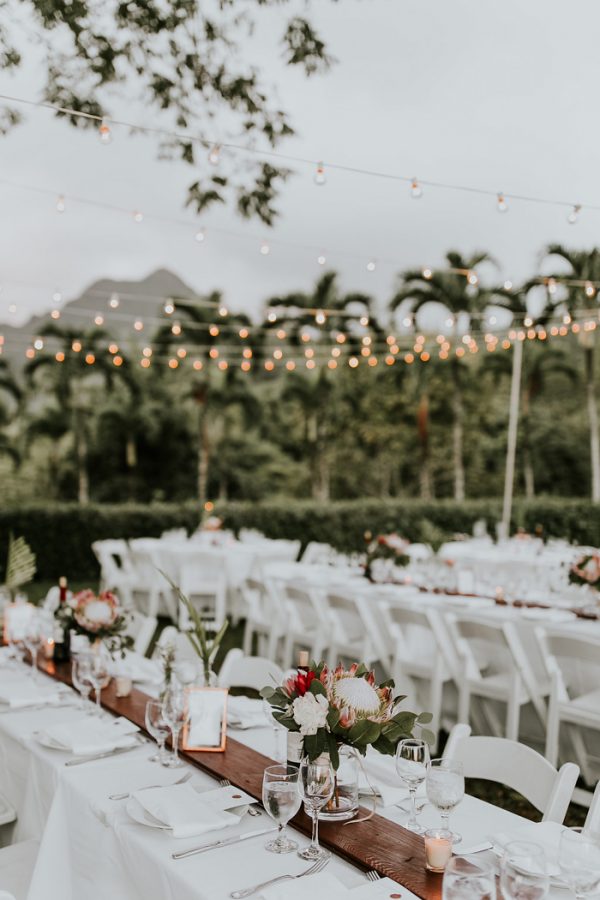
(123, 684)
(303, 659)
(438, 849)
(48, 648)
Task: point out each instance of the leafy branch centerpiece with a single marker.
(390, 547)
(586, 571)
(20, 565)
(99, 617)
(341, 713)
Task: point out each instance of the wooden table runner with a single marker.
(375, 844)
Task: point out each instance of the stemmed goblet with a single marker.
(81, 676)
(98, 676)
(282, 801)
(445, 789)
(33, 640)
(579, 860)
(175, 713)
(157, 726)
(412, 756)
(523, 872)
(316, 782)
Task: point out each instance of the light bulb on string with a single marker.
(551, 285)
(12, 308)
(265, 249)
(114, 301)
(223, 311)
(60, 204)
(98, 319)
(138, 216)
(508, 285)
(364, 320)
(321, 259)
(501, 204)
(573, 216)
(371, 265)
(427, 273)
(200, 235)
(320, 317)
(57, 297)
(104, 132)
(55, 314)
(416, 190)
(169, 307)
(320, 177)
(214, 154)
(590, 290)
(472, 278)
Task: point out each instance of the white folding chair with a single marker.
(420, 653)
(152, 593)
(239, 671)
(17, 863)
(264, 614)
(354, 633)
(141, 628)
(576, 707)
(116, 571)
(494, 668)
(308, 625)
(592, 821)
(316, 553)
(202, 578)
(518, 767)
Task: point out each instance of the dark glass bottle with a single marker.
(62, 640)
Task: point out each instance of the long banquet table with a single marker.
(91, 848)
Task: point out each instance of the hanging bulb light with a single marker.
(169, 307)
(472, 278)
(573, 216)
(371, 265)
(57, 297)
(320, 317)
(590, 289)
(416, 190)
(551, 284)
(508, 285)
(104, 132)
(214, 154)
(501, 204)
(320, 177)
(138, 216)
(426, 273)
(321, 259)
(200, 235)
(60, 203)
(12, 308)
(114, 301)
(98, 319)
(265, 248)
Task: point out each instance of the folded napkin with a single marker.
(18, 694)
(182, 809)
(379, 773)
(243, 712)
(87, 736)
(138, 668)
(545, 834)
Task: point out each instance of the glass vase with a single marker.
(344, 802)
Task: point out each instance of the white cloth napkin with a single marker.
(138, 668)
(183, 810)
(244, 712)
(87, 736)
(546, 834)
(17, 694)
(379, 772)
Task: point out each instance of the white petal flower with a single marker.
(310, 712)
(99, 613)
(357, 694)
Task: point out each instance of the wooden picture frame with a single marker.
(208, 707)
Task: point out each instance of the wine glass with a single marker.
(579, 860)
(175, 713)
(81, 676)
(412, 756)
(98, 676)
(465, 879)
(316, 782)
(282, 801)
(445, 789)
(276, 728)
(33, 640)
(158, 728)
(523, 872)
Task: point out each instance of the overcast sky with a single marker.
(497, 95)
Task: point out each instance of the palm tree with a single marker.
(312, 396)
(453, 291)
(10, 387)
(584, 267)
(70, 378)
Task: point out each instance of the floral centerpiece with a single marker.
(586, 571)
(385, 546)
(97, 616)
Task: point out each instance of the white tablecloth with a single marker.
(91, 849)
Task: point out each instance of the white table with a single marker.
(91, 849)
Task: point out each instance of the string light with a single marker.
(501, 204)
(55, 314)
(60, 204)
(59, 356)
(243, 333)
(416, 190)
(104, 132)
(290, 365)
(320, 317)
(321, 259)
(214, 154)
(173, 363)
(364, 320)
(197, 365)
(272, 317)
(473, 278)
(353, 362)
(169, 308)
(145, 363)
(574, 215)
(176, 328)
(213, 353)
(223, 311)
(551, 284)
(138, 325)
(214, 331)
(590, 290)
(98, 319)
(114, 301)
(138, 216)
(76, 346)
(265, 249)
(90, 359)
(281, 334)
(181, 352)
(147, 351)
(113, 348)
(508, 285)
(38, 344)
(371, 265)
(320, 177)
(12, 308)
(200, 235)
(427, 274)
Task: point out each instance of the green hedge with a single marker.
(61, 534)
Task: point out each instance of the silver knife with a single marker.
(223, 843)
(83, 759)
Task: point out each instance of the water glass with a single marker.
(445, 789)
(33, 640)
(579, 860)
(81, 676)
(157, 726)
(175, 712)
(281, 800)
(412, 756)
(465, 879)
(316, 781)
(524, 872)
(279, 731)
(98, 676)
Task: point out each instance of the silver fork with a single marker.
(246, 892)
(252, 810)
(149, 787)
(372, 875)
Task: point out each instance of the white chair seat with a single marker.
(576, 709)
(496, 687)
(17, 863)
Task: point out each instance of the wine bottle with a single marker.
(62, 636)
